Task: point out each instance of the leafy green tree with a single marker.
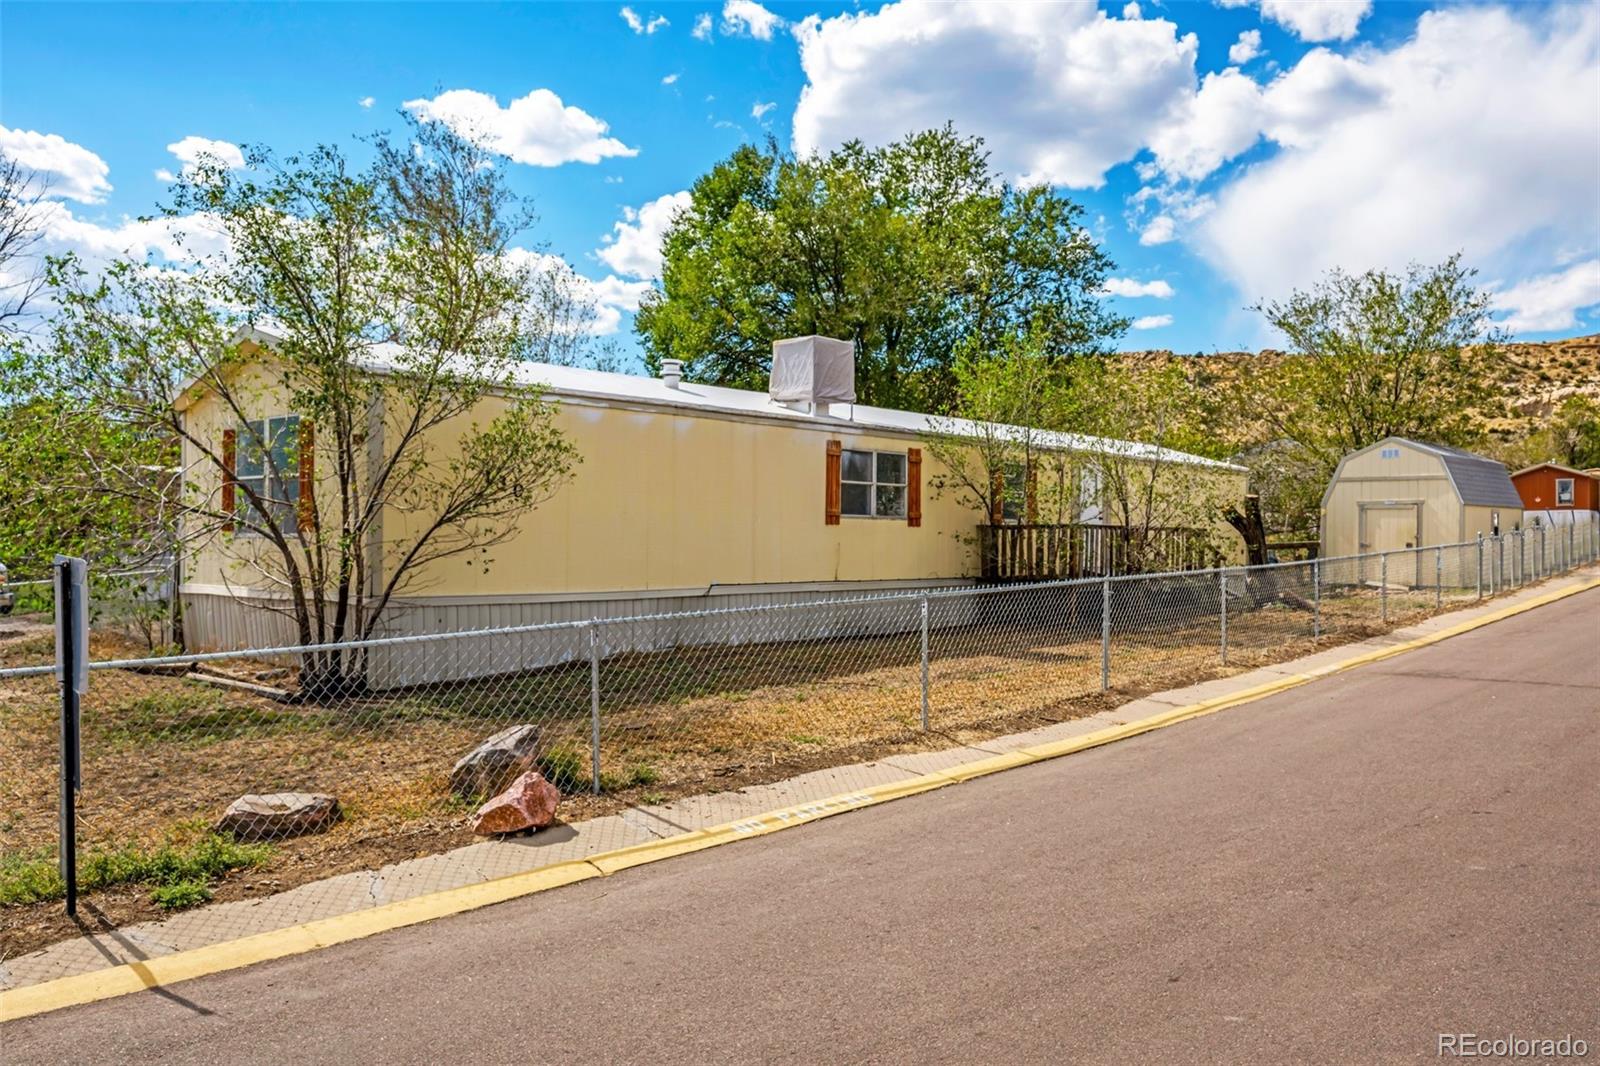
(993, 447)
(412, 252)
(915, 251)
(1044, 439)
(1379, 354)
(61, 466)
(1575, 432)
(1570, 437)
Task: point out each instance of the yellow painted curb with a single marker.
(280, 943)
(324, 932)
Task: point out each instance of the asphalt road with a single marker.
(1335, 874)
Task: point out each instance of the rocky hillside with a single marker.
(1535, 378)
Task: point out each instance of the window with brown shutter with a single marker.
(307, 457)
(914, 487)
(230, 445)
(832, 489)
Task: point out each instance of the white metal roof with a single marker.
(581, 383)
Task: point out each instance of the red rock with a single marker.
(530, 803)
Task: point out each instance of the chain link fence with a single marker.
(631, 717)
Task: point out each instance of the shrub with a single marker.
(188, 861)
(182, 894)
(565, 769)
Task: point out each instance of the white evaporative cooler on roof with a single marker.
(813, 370)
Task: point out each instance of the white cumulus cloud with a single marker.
(1550, 301)
(702, 27)
(1246, 48)
(1210, 127)
(1152, 322)
(367, 101)
(1318, 20)
(192, 149)
(760, 110)
(1059, 93)
(537, 129)
(1159, 230)
(670, 79)
(1132, 288)
(1479, 134)
(69, 171)
(634, 245)
(746, 18)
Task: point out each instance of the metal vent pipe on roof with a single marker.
(672, 372)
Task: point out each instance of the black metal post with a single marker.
(70, 660)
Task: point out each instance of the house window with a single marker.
(268, 464)
(872, 484)
(1564, 490)
(1014, 497)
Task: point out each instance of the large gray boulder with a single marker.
(279, 815)
(489, 768)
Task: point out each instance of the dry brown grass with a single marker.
(160, 751)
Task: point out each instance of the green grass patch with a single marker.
(181, 895)
(196, 714)
(630, 778)
(565, 769)
(178, 872)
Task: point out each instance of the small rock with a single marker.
(493, 765)
(282, 814)
(530, 803)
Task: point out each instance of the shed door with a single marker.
(1392, 528)
(1389, 528)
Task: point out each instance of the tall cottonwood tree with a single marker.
(916, 251)
(395, 308)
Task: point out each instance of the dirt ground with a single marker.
(160, 750)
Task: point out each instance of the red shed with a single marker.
(1555, 488)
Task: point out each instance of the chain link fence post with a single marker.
(594, 707)
(924, 662)
(1316, 599)
(1105, 634)
(1438, 577)
(72, 673)
(1383, 586)
(1480, 566)
(1222, 602)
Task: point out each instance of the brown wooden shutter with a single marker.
(308, 475)
(832, 492)
(914, 487)
(230, 446)
(1031, 508)
(997, 498)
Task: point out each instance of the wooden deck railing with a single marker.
(1088, 549)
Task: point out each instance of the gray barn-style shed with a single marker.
(1401, 493)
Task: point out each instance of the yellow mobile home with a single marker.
(687, 497)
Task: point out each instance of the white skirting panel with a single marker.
(221, 622)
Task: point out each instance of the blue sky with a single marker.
(1225, 152)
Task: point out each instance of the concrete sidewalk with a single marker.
(491, 859)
